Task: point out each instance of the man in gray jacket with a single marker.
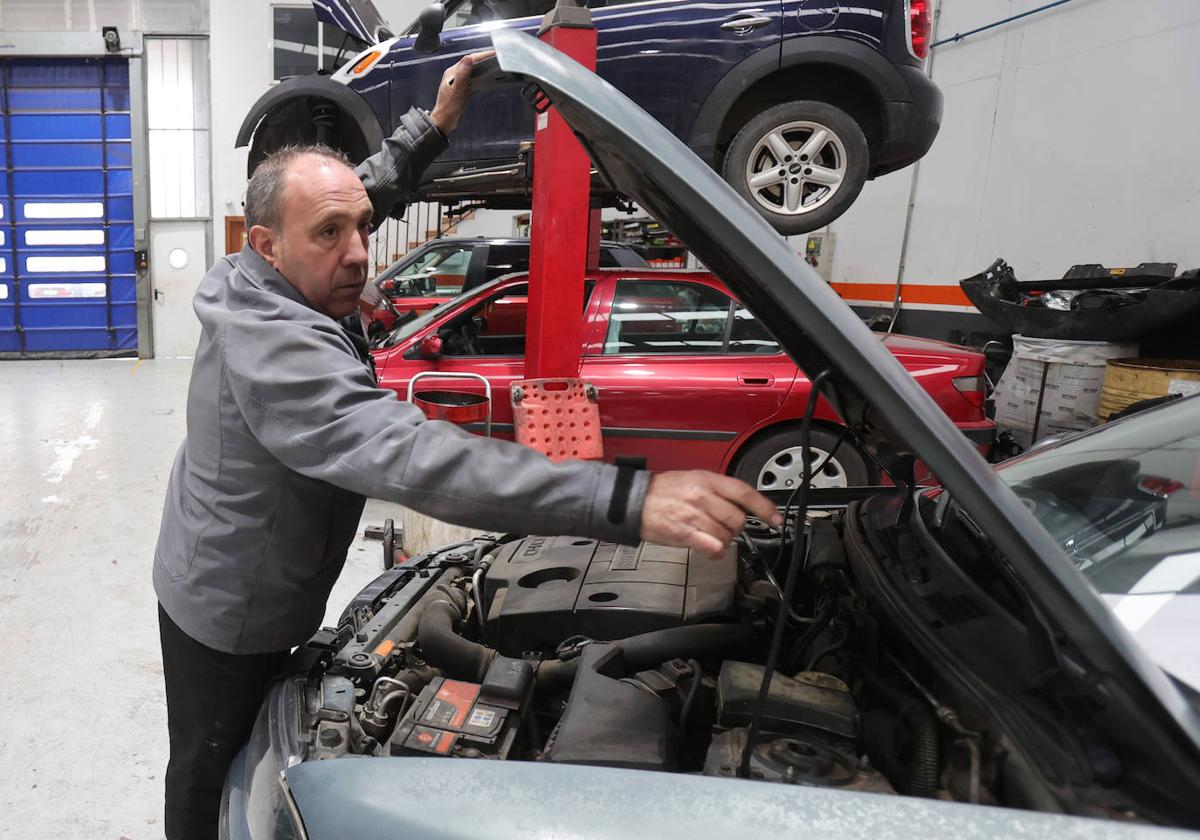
(288, 432)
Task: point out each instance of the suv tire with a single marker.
(783, 184)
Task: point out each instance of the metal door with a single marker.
(178, 261)
(67, 284)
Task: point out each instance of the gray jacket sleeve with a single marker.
(391, 174)
(312, 404)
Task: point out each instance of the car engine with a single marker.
(572, 651)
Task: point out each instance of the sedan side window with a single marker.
(748, 335)
(438, 273)
(495, 327)
(652, 316)
(506, 259)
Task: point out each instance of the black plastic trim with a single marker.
(303, 86)
(981, 436)
(618, 432)
(670, 434)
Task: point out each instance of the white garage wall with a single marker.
(1068, 137)
(240, 73)
(177, 17)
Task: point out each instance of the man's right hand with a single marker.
(701, 510)
(454, 91)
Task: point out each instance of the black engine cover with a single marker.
(542, 590)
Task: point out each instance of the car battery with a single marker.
(466, 720)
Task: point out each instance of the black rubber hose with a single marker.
(810, 634)
(689, 702)
(406, 629)
(926, 759)
(924, 778)
(442, 646)
(648, 650)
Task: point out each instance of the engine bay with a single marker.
(572, 651)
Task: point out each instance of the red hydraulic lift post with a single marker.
(562, 227)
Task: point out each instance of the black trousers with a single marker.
(212, 701)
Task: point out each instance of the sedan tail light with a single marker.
(1156, 485)
(917, 23)
(971, 387)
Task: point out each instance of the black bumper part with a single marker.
(909, 127)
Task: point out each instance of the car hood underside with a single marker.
(643, 160)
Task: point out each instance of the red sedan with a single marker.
(688, 378)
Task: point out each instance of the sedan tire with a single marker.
(774, 462)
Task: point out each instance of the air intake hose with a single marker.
(648, 650)
(441, 645)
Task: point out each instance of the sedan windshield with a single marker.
(403, 331)
(1124, 503)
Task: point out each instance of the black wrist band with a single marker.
(622, 488)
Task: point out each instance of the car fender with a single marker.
(827, 50)
(313, 86)
(824, 417)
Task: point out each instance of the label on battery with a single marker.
(451, 704)
(482, 719)
(430, 740)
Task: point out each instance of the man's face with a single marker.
(321, 244)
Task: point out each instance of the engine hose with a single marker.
(689, 702)
(810, 634)
(649, 650)
(924, 778)
(923, 769)
(417, 677)
(406, 629)
(445, 648)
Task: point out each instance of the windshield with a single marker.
(402, 332)
(1124, 503)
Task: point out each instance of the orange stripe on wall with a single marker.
(910, 293)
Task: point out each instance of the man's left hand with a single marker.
(454, 91)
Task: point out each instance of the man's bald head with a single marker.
(309, 217)
(265, 192)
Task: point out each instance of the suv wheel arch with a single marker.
(290, 112)
(762, 79)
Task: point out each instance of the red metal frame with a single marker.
(561, 229)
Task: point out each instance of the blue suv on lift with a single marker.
(795, 102)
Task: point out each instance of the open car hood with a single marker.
(515, 800)
(888, 412)
(358, 18)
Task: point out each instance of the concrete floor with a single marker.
(87, 447)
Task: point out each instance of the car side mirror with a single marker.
(430, 347)
(429, 34)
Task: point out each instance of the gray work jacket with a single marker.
(287, 432)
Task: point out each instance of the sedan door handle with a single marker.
(759, 379)
(746, 21)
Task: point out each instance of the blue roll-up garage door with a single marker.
(67, 283)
